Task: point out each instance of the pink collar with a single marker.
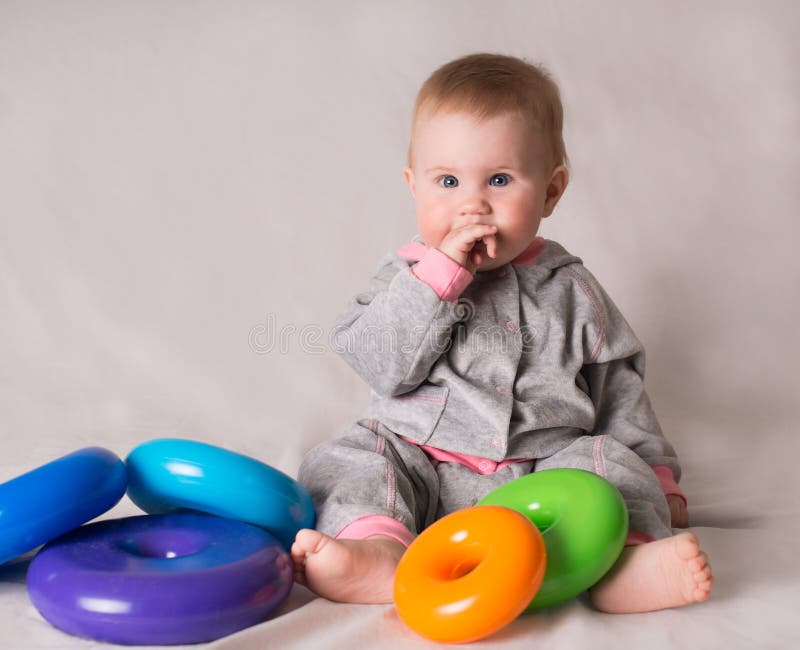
(415, 250)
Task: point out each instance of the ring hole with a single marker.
(463, 568)
(163, 544)
(543, 519)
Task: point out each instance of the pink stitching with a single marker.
(597, 454)
(597, 310)
(424, 398)
(391, 492)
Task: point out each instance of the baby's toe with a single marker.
(702, 575)
(307, 541)
(703, 581)
(300, 576)
(698, 563)
(687, 546)
(298, 553)
(703, 591)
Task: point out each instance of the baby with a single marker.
(491, 353)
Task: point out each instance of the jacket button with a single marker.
(510, 326)
(501, 389)
(497, 441)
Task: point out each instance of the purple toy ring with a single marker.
(160, 579)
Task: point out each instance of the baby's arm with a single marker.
(393, 333)
(614, 373)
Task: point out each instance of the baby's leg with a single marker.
(666, 571)
(370, 491)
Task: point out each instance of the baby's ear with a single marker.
(555, 189)
(408, 174)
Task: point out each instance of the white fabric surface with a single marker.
(180, 180)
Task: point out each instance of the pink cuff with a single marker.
(667, 480)
(635, 538)
(364, 527)
(444, 275)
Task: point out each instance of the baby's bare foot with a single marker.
(346, 570)
(666, 573)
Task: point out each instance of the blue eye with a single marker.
(450, 181)
(505, 178)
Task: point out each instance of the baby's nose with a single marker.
(485, 218)
(475, 208)
(475, 204)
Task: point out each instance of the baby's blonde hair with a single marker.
(485, 85)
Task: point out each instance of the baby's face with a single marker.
(494, 169)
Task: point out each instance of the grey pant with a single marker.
(371, 471)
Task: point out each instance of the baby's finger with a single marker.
(490, 242)
(469, 235)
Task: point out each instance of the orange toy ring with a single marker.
(469, 574)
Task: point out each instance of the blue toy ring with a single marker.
(171, 474)
(57, 497)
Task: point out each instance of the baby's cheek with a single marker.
(433, 231)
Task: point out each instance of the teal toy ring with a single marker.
(165, 475)
(584, 523)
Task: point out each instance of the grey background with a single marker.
(180, 179)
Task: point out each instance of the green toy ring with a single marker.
(583, 520)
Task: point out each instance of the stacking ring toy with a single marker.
(469, 574)
(57, 497)
(165, 475)
(583, 520)
(160, 579)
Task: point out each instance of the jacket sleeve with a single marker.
(614, 363)
(396, 330)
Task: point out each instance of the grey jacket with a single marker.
(530, 358)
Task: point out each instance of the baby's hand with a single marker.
(678, 511)
(460, 243)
